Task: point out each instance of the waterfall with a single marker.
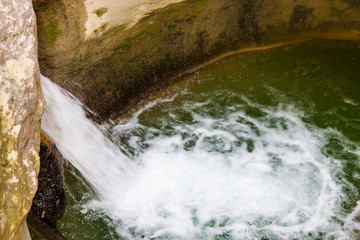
(200, 175)
(82, 142)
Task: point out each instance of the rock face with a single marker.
(112, 54)
(49, 201)
(21, 108)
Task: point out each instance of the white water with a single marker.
(282, 188)
(83, 143)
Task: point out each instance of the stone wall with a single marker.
(21, 107)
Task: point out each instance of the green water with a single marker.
(319, 83)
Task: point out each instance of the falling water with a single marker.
(82, 142)
(226, 157)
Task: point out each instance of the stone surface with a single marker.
(115, 65)
(108, 12)
(21, 107)
(49, 202)
(40, 230)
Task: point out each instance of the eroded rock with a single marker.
(113, 62)
(21, 108)
(49, 201)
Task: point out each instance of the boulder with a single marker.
(21, 108)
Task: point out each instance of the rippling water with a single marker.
(258, 146)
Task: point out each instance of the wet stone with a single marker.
(49, 202)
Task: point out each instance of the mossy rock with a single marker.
(52, 31)
(100, 11)
(122, 65)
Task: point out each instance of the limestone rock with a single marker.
(111, 54)
(21, 107)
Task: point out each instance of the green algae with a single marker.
(100, 11)
(52, 31)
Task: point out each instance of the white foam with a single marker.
(296, 195)
(240, 176)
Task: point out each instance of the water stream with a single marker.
(257, 146)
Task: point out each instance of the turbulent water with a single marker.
(258, 146)
(82, 142)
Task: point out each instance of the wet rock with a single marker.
(124, 61)
(299, 17)
(247, 21)
(49, 202)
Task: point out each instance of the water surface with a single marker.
(262, 145)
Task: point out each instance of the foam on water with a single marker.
(230, 177)
(241, 177)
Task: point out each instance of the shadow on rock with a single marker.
(49, 202)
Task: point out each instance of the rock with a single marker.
(300, 17)
(126, 54)
(21, 108)
(49, 201)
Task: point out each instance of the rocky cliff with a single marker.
(113, 53)
(21, 107)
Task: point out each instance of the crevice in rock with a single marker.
(49, 202)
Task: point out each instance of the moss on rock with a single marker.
(52, 31)
(100, 11)
(121, 65)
